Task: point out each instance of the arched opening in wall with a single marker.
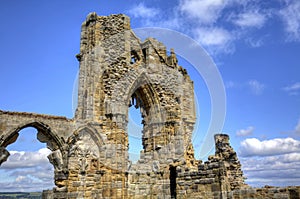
(27, 169)
(134, 129)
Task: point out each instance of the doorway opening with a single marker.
(173, 176)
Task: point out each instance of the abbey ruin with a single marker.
(90, 151)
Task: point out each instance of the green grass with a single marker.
(20, 195)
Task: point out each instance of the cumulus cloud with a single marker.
(245, 132)
(218, 24)
(204, 28)
(273, 162)
(280, 170)
(256, 87)
(26, 184)
(250, 19)
(141, 10)
(255, 147)
(210, 13)
(205, 11)
(290, 16)
(212, 36)
(293, 89)
(21, 159)
(27, 171)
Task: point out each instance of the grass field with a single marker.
(20, 195)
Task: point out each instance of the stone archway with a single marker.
(142, 95)
(52, 141)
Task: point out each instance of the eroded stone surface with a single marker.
(90, 151)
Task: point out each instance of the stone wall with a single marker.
(52, 130)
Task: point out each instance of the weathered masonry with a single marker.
(90, 151)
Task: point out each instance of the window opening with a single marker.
(134, 130)
(134, 57)
(133, 60)
(145, 53)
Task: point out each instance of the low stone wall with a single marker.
(255, 193)
(265, 193)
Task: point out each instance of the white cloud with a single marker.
(20, 179)
(21, 159)
(245, 132)
(250, 19)
(27, 184)
(231, 84)
(255, 147)
(293, 89)
(154, 17)
(212, 36)
(279, 170)
(255, 43)
(273, 162)
(27, 171)
(141, 10)
(256, 87)
(206, 11)
(207, 21)
(291, 18)
(292, 157)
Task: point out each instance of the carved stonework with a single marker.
(3, 155)
(83, 149)
(55, 158)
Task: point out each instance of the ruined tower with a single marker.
(90, 151)
(117, 71)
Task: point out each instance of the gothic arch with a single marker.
(141, 92)
(92, 133)
(140, 85)
(143, 89)
(45, 135)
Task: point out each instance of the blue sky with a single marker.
(255, 46)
